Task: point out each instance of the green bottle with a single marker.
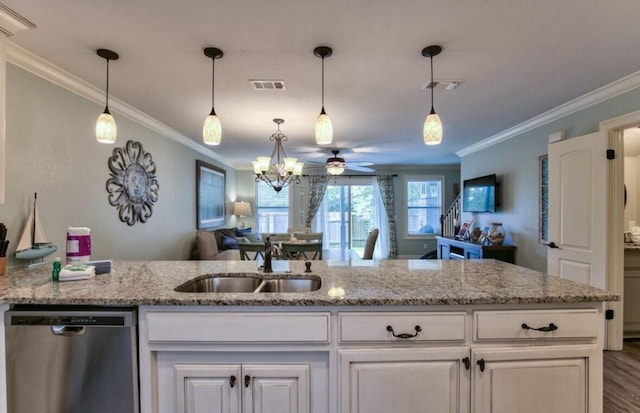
(55, 273)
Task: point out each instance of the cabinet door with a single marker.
(404, 380)
(207, 388)
(534, 380)
(276, 388)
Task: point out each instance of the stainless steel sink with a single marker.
(290, 285)
(218, 283)
(213, 283)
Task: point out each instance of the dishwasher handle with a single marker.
(59, 330)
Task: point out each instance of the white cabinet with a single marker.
(550, 380)
(213, 388)
(404, 380)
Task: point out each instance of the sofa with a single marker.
(221, 244)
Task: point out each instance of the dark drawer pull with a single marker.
(232, 381)
(550, 327)
(481, 364)
(247, 380)
(405, 335)
(467, 363)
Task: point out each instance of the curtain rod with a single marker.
(351, 176)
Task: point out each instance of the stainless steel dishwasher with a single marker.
(71, 359)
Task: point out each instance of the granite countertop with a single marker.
(389, 282)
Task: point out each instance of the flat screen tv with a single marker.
(479, 194)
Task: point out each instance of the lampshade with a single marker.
(242, 208)
(432, 132)
(336, 164)
(106, 130)
(212, 130)
(324, 129)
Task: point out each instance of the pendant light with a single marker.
(212, 129)
(106, 130)
(324, 129)
(432, 130)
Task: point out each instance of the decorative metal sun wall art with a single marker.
(133, 186)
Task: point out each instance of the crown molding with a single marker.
(32, 63)
(11, 22)
(594, 97)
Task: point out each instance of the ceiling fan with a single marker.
(336, 165)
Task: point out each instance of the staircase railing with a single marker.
(450, 220)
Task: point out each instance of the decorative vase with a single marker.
(496, 233)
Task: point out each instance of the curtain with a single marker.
(380, 221)
(385, 184)
(317, 186)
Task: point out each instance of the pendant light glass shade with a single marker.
(432, 131)
(324, 128)
(212, 128)
(106, 130)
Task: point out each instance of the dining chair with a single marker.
(305, 230)
(309, 237)
(370, 245)
(276, 237)
(247, 248)
(302, 250)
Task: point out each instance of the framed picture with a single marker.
(210, 195)
(543, 198)
(465, 230)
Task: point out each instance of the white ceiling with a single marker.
(517, 58)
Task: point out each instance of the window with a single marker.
(272, 209)
(424, 198)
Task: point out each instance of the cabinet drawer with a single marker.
(375, 327)
(238, 327)
(510, 325)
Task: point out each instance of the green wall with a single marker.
(51, 150)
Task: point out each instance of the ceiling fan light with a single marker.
(335, 169)
(432, 131)
(106, 130)
(212, 130)
(324, 129)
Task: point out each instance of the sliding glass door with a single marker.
(348, 214)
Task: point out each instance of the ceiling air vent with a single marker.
(443, 84)
(268, 84)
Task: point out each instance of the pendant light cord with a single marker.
(106, 106)
(432, 85)
(213, 81)
(323, 83)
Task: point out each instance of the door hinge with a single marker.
(609, 314)
(611, 154)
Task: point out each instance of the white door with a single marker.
(207, 388)
(533, 380)
(578, 209)
(276, 388)
(434, 380)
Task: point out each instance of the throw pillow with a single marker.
(252, 237)
(242, 240)
(241, 232)
(229, 243)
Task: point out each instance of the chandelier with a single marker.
(277, 170)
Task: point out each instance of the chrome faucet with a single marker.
(268, 255)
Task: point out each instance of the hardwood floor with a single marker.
(622, 379)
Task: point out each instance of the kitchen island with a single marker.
(377, 336)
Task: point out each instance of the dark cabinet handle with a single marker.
(405, 335)
(481, 364)
(550, 327)
(247, 380)
(232, 381)
(467, 363)
(552, 245)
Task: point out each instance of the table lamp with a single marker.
(243, 209)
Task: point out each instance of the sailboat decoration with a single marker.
(33, 244)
